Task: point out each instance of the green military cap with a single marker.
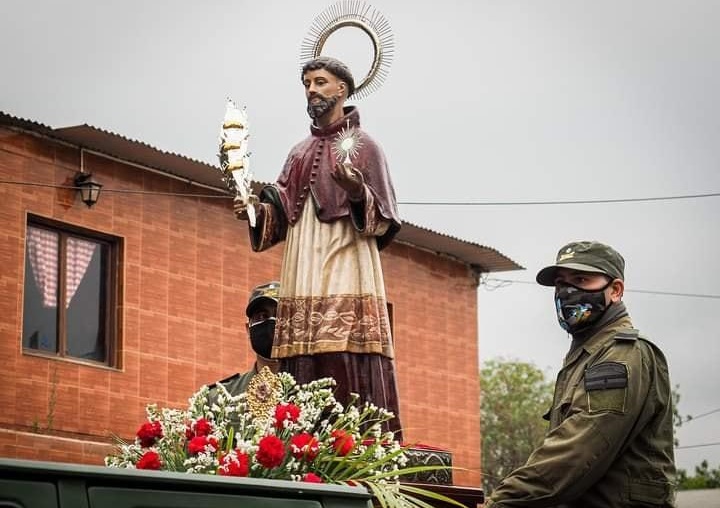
(594, 257)
(268, 291)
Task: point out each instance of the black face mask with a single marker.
(577, 308)
(261, 337)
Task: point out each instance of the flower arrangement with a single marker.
(278, 429)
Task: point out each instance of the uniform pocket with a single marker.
(557, 414)
(606, 387)
(649, 491)
(599, 401)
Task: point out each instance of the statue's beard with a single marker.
(322, 107)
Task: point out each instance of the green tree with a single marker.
(678, 419)
(514, 396)
(705, 478)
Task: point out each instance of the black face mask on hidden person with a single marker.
(261, 337)
(577, 308)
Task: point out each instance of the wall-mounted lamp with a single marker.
(89, 188)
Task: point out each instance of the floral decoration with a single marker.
(278, 429)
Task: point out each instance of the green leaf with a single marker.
(375, 465)
(407, 470)
(378, 493)
(430, 494)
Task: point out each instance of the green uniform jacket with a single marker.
(235, 384)
(610, 439)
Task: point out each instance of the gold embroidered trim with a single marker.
(312, 325)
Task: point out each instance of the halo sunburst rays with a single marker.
(356, 14)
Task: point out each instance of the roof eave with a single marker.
(480, 258)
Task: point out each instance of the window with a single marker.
(69, 306)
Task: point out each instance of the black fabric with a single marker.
(261, 337)
(370, 373)
(606, 376)
(614, 312)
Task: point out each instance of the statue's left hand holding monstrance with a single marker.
(235, 160)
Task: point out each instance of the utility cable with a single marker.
(423, 203)
(492, 284)
(702, 445)
(559, 202)
(693, 418)
(121, 191)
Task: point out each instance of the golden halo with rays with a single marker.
(357, 14)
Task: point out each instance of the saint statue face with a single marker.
(322, 90)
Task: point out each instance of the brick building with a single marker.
(140, 298)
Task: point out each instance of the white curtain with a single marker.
(42, 248)
(79, 253)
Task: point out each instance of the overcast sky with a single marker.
(487, 101)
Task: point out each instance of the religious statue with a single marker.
(334, 207)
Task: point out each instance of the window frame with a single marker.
(110, 267)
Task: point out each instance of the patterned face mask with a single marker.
(577, 308)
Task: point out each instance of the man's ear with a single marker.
(618, 288)
(343, 89)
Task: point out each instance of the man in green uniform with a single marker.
(610, 439)
(261, 310)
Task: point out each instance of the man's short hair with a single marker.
(334, 67)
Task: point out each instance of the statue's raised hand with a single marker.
(241, 204)
(350, 179)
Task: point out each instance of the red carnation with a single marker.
(344, 442)
(311, 478)
(149, 460)
(201, 427)
(286, 412)
(271, 452)
(237, 465)
(198, 444)
(149, 432)
(304, 445)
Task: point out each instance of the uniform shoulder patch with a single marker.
(606, 376)
(627, 334)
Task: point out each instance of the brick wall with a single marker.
(187, 271)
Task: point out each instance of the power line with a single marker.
(492, 284)
(672, 293)
(120, 191)
(693, 418)
(423, 203)
(697, 445)
(559, 202)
